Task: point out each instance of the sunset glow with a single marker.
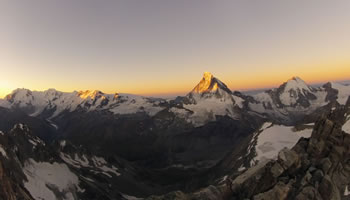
(162, 48)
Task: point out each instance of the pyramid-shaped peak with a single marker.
(210, 84)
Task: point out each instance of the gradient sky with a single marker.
(161, 47)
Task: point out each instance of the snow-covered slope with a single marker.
(293, 90)
(44, 178)
(52, 102)
(270, 139)
(343, 92)
(209, 98)
(346, 126)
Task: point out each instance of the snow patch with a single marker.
(77, 162)
(239, 101)
(98, 164)
(2, 151)
(63, 143)
(346, 127)
(346, 191)
(265, 126)
(241, 168)
(134, 104)
(101, 164)
(183, 113)
(206, 110)
(53, 125)
(35, 141)
(44, 177)
(127, 197)
(343, 92)
(273, 139)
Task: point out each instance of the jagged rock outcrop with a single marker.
(315, 168)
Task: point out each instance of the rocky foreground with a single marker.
(315, 168)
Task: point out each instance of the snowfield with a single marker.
(346, 126)
(274, 138)
(44, 179)
(343, 92)
(206, 109)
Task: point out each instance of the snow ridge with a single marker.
(36, 103)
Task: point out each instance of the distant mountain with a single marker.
(294, 100)
(209, 98)
(51, 103)
(123, 146)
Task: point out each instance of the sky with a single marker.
(162, 47)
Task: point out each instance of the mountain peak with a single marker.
(206, 84)
(210, 84)
(208, 87)
(295, 83)
(207, 76)
(296, 91)
(18, 93)
(89, 93)
(297, 79)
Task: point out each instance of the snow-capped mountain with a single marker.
(210, 98)
(208, 87)
(51, 102)
(295, 99)
(296, 92)
(122, 146)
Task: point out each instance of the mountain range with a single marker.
(209, 144)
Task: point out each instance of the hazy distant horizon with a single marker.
(245, 91)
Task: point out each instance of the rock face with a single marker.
(315, 168)
(211, 85)
(10, 189)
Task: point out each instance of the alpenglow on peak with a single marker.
(206, 84)
(209, 84)
(207, 76)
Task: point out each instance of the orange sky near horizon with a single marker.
(243, 81)
(163, 47)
